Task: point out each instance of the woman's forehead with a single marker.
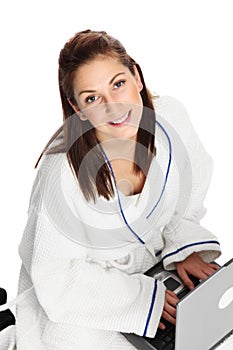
(98, 70)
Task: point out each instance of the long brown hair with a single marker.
(79, 140)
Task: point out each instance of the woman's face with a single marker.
(108, 95)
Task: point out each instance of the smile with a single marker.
(123, 120)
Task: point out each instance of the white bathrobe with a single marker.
(83, 264)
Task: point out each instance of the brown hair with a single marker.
(79, 139)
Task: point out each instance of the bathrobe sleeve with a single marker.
(184, 234)
(72, 289)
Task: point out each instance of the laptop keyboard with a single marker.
(164, 339)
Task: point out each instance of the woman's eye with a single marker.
(91, 99)
(118, 84)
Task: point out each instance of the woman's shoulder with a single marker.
(172, 114)
(170, 108)
(50, 168)
(53, 176)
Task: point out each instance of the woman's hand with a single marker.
(196, 266)
(169, 309)
(193, 265)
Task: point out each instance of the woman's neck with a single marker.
(117, 149)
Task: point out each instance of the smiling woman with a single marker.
(120, 188)
(105, 87)
(113, 99)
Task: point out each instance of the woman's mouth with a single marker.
(121, 121)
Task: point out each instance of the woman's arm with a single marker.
(184, 235)
(72, 289)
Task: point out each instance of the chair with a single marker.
(7, 318)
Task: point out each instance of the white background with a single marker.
(184, 49)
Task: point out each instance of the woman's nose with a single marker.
(112, 105)
(114, 110)
(108, 98)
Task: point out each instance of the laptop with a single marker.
(204, 316)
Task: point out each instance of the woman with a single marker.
(120, 187)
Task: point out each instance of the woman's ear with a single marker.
(138, 79)
(77, 110)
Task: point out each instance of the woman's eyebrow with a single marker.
(110, 82)
(115, 76)
(87, 91)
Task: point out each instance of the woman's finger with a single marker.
(169, 317)
(208, 271)
(185, 278)
(162, 326)
(171, 297)
(202, 275)
(171, 310)
(214, 266)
